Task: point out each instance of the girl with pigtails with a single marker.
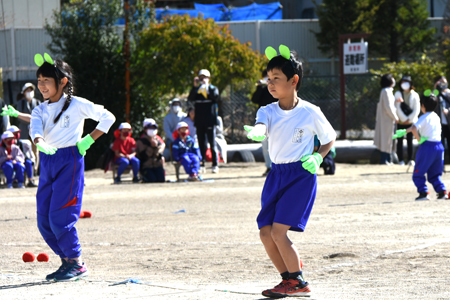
(56, 129)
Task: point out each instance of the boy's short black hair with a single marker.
(386, 80)
(289, 67)
(429, 102)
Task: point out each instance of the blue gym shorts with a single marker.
(288, 196)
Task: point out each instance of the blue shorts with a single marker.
(288, 196)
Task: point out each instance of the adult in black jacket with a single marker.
(262, 97)
(443, 108)
(205, 97)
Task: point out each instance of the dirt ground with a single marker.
(366, 239)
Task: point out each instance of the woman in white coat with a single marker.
(386, 119)
(407, 103)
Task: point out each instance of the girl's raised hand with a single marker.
(10, 111)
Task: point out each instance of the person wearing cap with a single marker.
(171, 120)
(205, 97)
(149, 150)
(25, 147)
(26, 106)
(11, 160)
(186, 152)
(408, 108)
(124, 148)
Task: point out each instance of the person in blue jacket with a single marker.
(185, 151)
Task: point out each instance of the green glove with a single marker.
(311, 163)
(46, 148)
(10, 111)
(422, 139)
(399, 133)
(84, 144)
(254, 133)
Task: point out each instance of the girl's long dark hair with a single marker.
(58, 71)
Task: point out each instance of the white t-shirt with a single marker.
(292, 131)
(429, 125)
(68, 130)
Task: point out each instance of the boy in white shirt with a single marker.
(430, 156)
(290, 188)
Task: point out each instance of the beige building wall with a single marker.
(26, 13)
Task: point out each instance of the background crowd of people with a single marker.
(400, 110)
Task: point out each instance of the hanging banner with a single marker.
(355, 58)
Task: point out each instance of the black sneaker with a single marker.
(442, 195)
(72, 271)
(266, 172)
(136, 180)
(51, 276)
(31, 184)
(117, 180)
(422, 197)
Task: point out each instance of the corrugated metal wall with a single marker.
(296, 34)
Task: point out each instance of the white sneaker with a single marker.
(402, 163)
(215, 169)
(202, 170)
(411, 163)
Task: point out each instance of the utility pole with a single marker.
(126, 54)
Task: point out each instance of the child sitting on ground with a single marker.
(125, 149)
(430, 155)
(11, 159)
(186, 151)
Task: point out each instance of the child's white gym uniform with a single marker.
(289, 190)
(60, 191)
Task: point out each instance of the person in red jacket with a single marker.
(125, 149)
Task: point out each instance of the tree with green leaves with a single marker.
(398, 28)
(170, 54)
(85, 36)
(335, 18)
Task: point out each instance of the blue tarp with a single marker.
(220, 6)
(270, 11)
(218, 12)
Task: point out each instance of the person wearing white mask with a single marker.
(386, 119)
(26, 106)
(205, 98)
(171, 120)
(407, 103)
(149, 149)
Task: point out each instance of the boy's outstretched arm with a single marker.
(324, 149)
(414, 131)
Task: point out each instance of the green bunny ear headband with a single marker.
(284, 51)
(427, 93)
(39, 60)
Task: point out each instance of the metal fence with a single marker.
(362, 95)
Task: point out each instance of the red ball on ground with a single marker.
(82, 214)
(28, 257)
(43, 257)
(87, 214)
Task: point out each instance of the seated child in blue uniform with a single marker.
(125, 149)
(430, 155)
(186, 151)
(11, 159)
(27, 150)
